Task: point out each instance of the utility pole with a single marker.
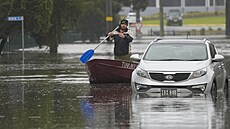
(109, 16)
(227, 12)
(161, 19)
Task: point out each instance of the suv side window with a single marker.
(212, 50)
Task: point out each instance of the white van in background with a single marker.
(131, 17)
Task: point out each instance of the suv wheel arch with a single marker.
(214, 90)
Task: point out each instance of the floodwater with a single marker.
(53, 91)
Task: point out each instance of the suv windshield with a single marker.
(176, 52)
(174, 13)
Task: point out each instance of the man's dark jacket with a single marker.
(121, 45)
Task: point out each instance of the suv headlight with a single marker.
(198, 73)
(142, 73)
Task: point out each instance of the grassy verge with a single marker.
(209, 20)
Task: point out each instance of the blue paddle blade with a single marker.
(86, 56)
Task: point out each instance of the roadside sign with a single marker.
(138, 25)
(109, 19)
(21, 19)
(15, 18)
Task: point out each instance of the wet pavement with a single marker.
(53, 91)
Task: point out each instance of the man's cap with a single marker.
(124, 21)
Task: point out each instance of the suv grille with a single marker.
(169, 77)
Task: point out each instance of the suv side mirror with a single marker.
(218, 58)
(135, 57)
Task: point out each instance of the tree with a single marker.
(5, 9)
(49, 19)
(92, 20)
(138, 5)
(45, 20)
(92, 23)
(38, 19)
(64, 16)
(116, 9)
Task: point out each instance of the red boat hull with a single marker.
(110, 71)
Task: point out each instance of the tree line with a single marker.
(47, 20)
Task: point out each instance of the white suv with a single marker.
(173, 66)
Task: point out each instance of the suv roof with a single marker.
(180, 40)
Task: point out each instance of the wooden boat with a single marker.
(110, 71)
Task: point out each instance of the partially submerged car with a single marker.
(179, 65)
(174, 17)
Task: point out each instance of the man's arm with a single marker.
(128, 38)
(110, 34)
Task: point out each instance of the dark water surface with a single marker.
(53, 91)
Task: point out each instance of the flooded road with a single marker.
(53, 91)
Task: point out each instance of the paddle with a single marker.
(88, 54)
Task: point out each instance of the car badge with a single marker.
(168, 77)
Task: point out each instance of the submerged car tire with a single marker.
(214, 90)
(180, 23)
(134, 90)
(226, 88)
(168, 23)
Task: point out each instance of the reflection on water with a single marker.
(40, 105)
(111, 104)
(187, 112)
(43, 104)
(54, 92)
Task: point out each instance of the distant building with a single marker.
(187, 3)
(184, 5)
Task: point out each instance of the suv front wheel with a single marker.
(214, 90)
(226, 90)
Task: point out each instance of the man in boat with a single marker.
(122, 38)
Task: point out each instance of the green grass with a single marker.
(194, 21)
